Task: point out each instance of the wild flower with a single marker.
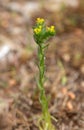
(41, 34)
(40, 21)
(51, 30)
(38, 30)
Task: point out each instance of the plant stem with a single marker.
(43, 98)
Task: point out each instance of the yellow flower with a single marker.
(40, 20)
(37, 30)
(51, 29)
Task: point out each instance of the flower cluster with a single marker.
(40, 21)
(42, 32)
(51, 29)
(38, 30)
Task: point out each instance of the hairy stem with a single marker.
(43, 98)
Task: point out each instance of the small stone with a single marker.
(71, 95)
(66, 57)
(12, 82)
(82, 84)
(69, 106)
(82, 69)
(64, 91)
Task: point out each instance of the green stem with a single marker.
(43, 99)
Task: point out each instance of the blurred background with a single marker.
(19, 98)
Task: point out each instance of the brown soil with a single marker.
(19, 96)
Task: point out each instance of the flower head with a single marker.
(42, 32)
(40, 21)
(51, 29)
(38, 30)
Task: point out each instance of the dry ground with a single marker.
(19, 97)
